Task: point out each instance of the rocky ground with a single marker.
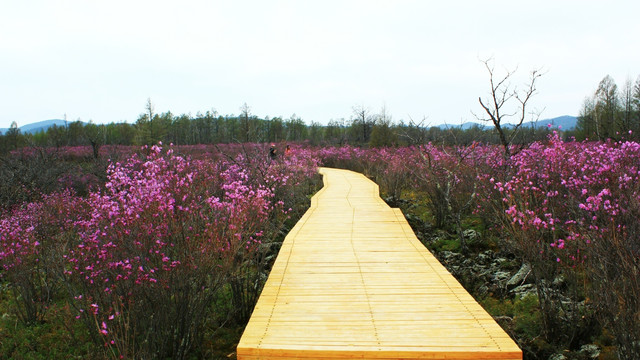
(495, 277)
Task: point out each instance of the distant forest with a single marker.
(364, 128)
(610, 113)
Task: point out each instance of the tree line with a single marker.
(363, 128)
(610, 112)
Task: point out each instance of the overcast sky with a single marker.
(102, 60)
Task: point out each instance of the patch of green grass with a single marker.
(446, 244)
(525, 313)
(527, 319)
(474, 223)
(221, 343)
(59, 337)
(521, 318)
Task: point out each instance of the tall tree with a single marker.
(635, 106)
(296, 128)
(626, 116)
(144, 133)
(606, 108)
(382, 133)
(182, 130)
(75, 132)
(13, 136)
(361, 124)
(586, 124)
(95, 134)
(57, 135)
(507, 102)
(245, 124)
(315, 132)
(276, 130)
(334, 132)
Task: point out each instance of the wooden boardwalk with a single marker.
(353, 281)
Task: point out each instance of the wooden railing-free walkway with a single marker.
(353, 281)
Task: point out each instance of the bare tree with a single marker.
(415, 132)
(625, 120)
(95, 134)
(245, 113)
(362, 123)
(382, 133)
(607, 108)
(507, 102)
(149, 107)
(13, 136)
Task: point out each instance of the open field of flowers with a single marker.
(143, 260)
(568, 211)
(134, 256)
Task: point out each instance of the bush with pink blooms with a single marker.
(574, 208)
(569, 210)
(144, 262)
(176, 237)
(33, 240)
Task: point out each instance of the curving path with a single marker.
(353, 281)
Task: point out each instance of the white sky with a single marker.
(101, 60)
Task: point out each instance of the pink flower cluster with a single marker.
(164, 227)
(565, 195)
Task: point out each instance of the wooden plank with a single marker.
(352, 281)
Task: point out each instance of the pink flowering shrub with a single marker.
(159, 248)
(345, 157)
(148, 258)
(30, 172)
(392, 170)
(32, 241)
(445, 175)
(289, 178)
(576, 205)
(159, 243)
(145, 257)
(567, 209)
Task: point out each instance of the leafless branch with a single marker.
(502, 95)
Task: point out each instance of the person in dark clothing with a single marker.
(272, 152)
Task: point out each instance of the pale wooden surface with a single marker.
(353, 281)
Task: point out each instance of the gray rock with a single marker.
(482, 290)
(501, 276)
(557, 357)
(559, 281)
(484, 258)
(480, 271)
(590, 350)
(523, 291)
(499, 261)
(471, 234)
(520, 277)
(451, 257)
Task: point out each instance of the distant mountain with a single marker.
(42, 125)
(38, 126)
(565, 122)
(464, 126)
